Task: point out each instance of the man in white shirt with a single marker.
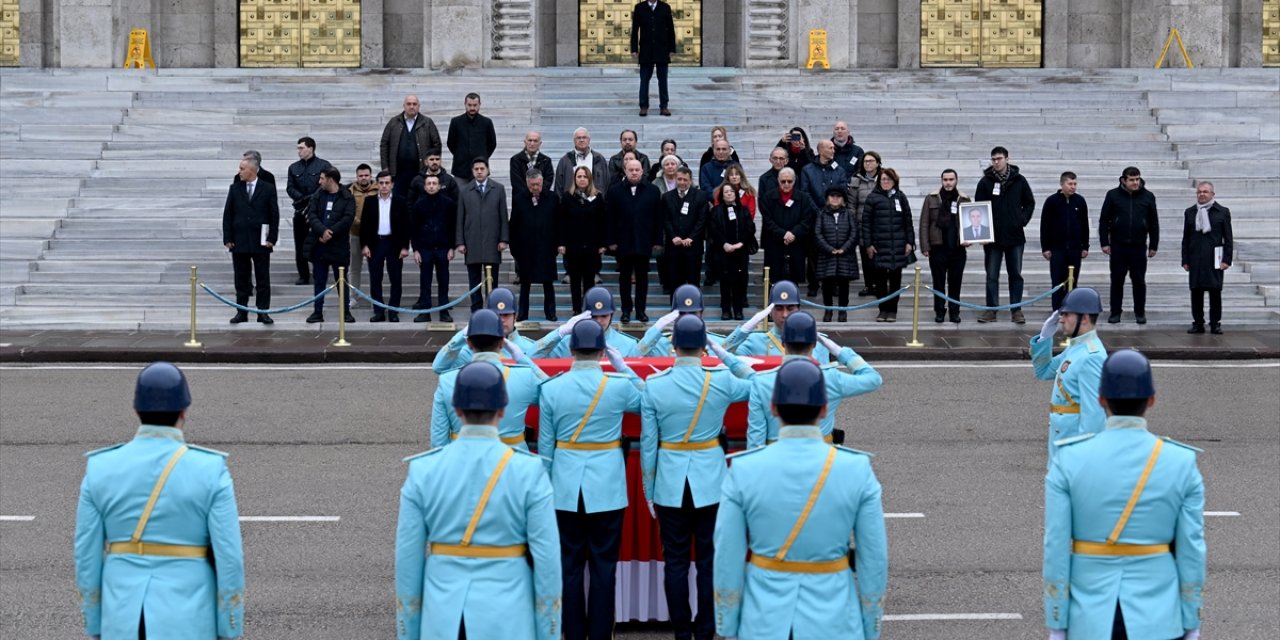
(384, 240)
(582, 155)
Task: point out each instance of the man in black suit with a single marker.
(976, 230)
(634, 234)
(685, 222)
(330, 214)
(471, 136)
(384, 240)
(653, 42)
(251, 205)
(531, 157)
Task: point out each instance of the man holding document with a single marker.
(250, 228)
(1206, 255)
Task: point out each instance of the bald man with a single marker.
(530, 157)
(407, 140)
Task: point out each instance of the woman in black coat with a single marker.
(733, 232)
(580, 226)
(889, 237)
(837, 241)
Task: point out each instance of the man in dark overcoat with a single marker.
(533, 234)
(252, 208)
(634, 235)
(1206, 231)
(653, 42)
(482, 227)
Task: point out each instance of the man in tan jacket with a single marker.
(361, 188)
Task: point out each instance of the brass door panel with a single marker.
(1271, 33)
(299, 33)
(981, 33)
(950, 33)
(604, 32)
(9, 33)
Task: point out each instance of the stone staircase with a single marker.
(112, 182)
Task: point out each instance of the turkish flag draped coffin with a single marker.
(640, 594)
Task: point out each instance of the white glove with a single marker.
(567, 328)
(1191, 634)
(1049, 327)
(615, 359)
(1057, 634)
(514, 349)
(829, 344)
(667, 320)
(750, 325)
(652, 514)
(717, 349)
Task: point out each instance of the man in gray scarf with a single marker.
(1206, 255)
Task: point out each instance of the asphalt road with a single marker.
(963, 444)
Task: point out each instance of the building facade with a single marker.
(441, 34)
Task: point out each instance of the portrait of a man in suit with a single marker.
(976, 229)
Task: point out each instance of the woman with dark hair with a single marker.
(580, 227)
(796, 143)
(734, 235)
(861, 184)
(668, 148)
(736, 177)
(889, 236)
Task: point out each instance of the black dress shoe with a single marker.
(843, 316)
(664, 111)
(1215, 329)
(626, 317)
(865, 293)
(939, 318)
(315, 317)
(642, 316)
(300, 281)
(955, 317)
(422, 317)
(1196, 327)
(239, 317)
(1140, 319)
(553, 319)
(378, 317)
(393, 316)
(265, 319)
(826, 316)
(444, 317)
(1113, 318)
(737, 315)
(349, 317)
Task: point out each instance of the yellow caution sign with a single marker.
(818, 49)
(1174, 35)
(139, 51)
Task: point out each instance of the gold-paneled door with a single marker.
(299, 33)
(1271, 33)
(604, 32)
(9, 33)
(981, 33)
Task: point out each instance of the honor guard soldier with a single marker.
(793, 507)
(1124, 552)
(686, 300)
(682, 414)
(456, 353)
(484, 339)
(580, 437)
(157, 532)
(784, 300)
(851, 377)
(1073, 406)
(481, 511)
(597, 305)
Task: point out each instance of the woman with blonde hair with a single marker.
(718, 132)
(580, 224)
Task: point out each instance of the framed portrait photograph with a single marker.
(975, 223)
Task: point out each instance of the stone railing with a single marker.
(512, 31)
(768, 32)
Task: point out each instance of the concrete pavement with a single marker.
(961, 443)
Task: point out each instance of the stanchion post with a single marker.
(342, 309)
(765, 302)
(488, 283)
(915, 313)
(193, 343)
(1071, 284)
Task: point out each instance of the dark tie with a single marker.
(249, 187)
(481, 187)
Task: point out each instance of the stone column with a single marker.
(459, 33)
(1055, 53)
(908, 34)
(566, 26)
(84, 31)
(1203, 25)
(226, 34)
(32, 51)
(371, 34)
(713, 32)
(1247, 38)
(836, 16)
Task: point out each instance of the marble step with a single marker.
(12, 227)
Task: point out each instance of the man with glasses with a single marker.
(787, 216)
(1012, 205)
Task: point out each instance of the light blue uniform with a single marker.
(599, 475)
(1088, 485)
(764, 494)
(761, 343)
(668, 409)
(1076, 372)
(656, 343)
(183, 598)
(523, 381)
(553, 346)
(857, 378)
(499, 597)
(456, 353)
